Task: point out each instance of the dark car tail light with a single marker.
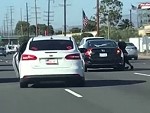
(73, 56)
(88, 52)
(118, 51)
(28, 57)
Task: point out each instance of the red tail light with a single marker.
(118, 51)
(28, 57)
(73, 57)
(88, 52)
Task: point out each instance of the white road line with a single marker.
(141, 74)
(73, 93)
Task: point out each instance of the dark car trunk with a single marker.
(104, 56)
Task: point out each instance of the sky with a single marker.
(74, 11)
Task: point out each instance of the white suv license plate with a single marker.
(51, 61)
(102, 54)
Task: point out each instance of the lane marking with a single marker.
(141, 74)
(73, 93)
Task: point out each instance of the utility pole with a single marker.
(4, 27)
(48, 17)
(36, 34)
(97, 18)
(21, 23)
(11, 19)
(27, 12)
(7, 27)
(65, 18)
(65, 14)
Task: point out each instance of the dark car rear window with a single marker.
(51, 45)
(101, 44)
(129, 44)
(95, 39)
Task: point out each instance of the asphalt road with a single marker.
(106, 91)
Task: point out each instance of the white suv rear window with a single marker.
(51, 45)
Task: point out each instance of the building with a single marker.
(144, 31)
(143, 14)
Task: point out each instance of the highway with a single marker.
(105, 91)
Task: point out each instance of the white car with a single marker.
(49, 58)
(85, 39)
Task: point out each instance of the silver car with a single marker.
(132, 51)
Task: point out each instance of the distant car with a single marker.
(2, 51)
(132, 51)
(11, 49)
(85, 39)
(49, 58)
(102, 53)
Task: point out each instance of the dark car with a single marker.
(102, 54)
(2, 51)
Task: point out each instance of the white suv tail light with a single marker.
(73, 56)
(28, 57)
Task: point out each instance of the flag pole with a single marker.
(130, 16)
(137, 18)
(82, 21)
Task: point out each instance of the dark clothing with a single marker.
(122, 46)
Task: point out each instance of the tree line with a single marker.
(110, 18)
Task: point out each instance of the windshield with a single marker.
(129, 44)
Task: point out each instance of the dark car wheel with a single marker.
(23, 85)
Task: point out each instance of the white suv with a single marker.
(49, 58)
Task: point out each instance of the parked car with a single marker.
(49, 58)
(85, 39)
(2, 51)
(102, 53)
(132, 51)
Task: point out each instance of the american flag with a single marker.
(133, 7)
(85, 19)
